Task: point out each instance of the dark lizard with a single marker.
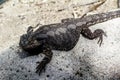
(62, 36)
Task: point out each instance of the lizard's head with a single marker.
(29, 43)
(32, 42)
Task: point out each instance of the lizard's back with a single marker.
(61, 36)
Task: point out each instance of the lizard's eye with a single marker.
(35, 42)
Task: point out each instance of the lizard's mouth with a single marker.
(31, 46)
(23, 40)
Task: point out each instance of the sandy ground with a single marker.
(84, 62)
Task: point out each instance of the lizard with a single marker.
(62, 36)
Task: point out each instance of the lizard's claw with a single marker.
(101, 38)
(40, 67)
(30, 29)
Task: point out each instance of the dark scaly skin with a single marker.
(62, 36)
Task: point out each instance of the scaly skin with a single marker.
(62, 36)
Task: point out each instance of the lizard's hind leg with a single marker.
(98, 33)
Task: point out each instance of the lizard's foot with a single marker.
(30, 28)
(40, 67)
(98, 33)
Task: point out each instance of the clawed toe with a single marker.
(40, 68)
(101, 38)
(30, 29)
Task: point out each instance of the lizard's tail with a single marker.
(98, 18)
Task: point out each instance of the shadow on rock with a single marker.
(23, 54)
(16, 67)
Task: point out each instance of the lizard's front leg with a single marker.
(48, 56)
(98, 33)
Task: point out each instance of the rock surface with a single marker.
(84, 62)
